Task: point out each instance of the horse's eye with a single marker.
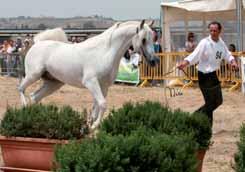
(144, 41)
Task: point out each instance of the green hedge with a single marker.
(142, 151)
(240, 155)
(42, 121)
(154, 116)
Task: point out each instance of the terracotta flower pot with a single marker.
(200, 157)
(28, 154)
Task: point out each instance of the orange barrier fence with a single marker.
(166, 69)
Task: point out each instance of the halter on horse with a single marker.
(92, 64)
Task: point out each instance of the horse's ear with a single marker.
(118, 24)
(142, 24)
(151, 23)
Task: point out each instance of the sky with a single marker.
(117, 9)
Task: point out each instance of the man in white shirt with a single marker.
(209, 54)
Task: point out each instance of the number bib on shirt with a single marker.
(218, 54)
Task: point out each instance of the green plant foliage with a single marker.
(240, 155)
(154, 116)
(42, 121)
(142, 151)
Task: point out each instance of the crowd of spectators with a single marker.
(13, 52)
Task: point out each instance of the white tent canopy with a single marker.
(197, 10)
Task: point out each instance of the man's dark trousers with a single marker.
(212, 93)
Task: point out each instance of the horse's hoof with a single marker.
(89, 122)
(32, 98)
(23, 100)
(94, 126)
(84, 130)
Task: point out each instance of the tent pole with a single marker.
(204, 27)
(166, 31)
(239, 25)
(163, 29)
(161, 26)
(160, 12)
(186, 27)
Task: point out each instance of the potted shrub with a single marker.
(29, 134)
(142, 150)
(240, 155)
(154, 116)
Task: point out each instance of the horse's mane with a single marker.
(101, 37)
(57, 34)
(115, 26)
(112, 29)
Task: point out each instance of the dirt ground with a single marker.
(227, 118)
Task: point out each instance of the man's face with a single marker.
(214, 31)
(191, 38)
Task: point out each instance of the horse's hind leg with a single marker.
(48, 87)
(27, 81)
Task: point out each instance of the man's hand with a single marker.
(234, 65)
(183, 64)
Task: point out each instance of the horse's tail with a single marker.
(57, 34)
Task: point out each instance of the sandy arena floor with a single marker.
(227, 118)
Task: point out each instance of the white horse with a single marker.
(92, 64)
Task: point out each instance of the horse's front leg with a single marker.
(99, 101)
(95, 110)
(99, 114)
(94, 114)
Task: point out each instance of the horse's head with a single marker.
(143, 43)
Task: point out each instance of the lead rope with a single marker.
(173, 94)
(165, 88)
